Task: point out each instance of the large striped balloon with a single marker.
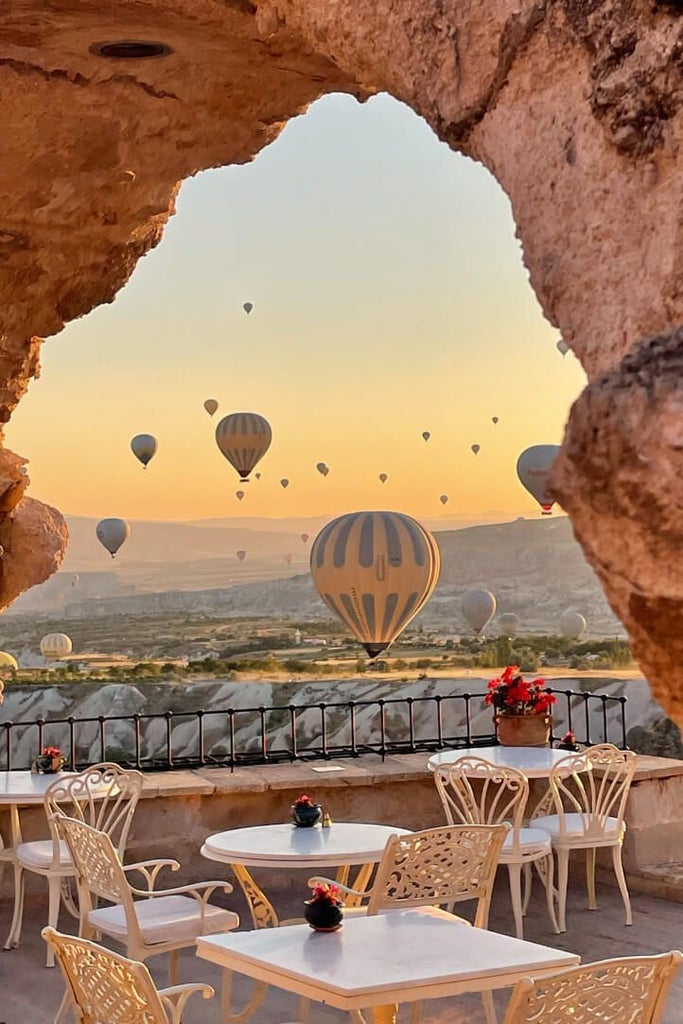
(243, 438)
(375, 570)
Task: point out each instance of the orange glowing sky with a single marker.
(389, 298)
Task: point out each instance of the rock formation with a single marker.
(574, 106)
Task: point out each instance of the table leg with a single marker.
(262, 910)
(9, 856)
(360, 882)
(377, 1015)
(227, 1015)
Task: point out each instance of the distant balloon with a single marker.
(247, 307)
(426, 435)
(563, 347)
(534, 467)
(476, 448)
(494, 419)
(239, 495)
(383, 477)
(509, 623)
(322, 468)
(243, 438)
(257, 475)
(211, 405)
(7, 661)
(284, 483)
(375, 571)
(75, 579)
(112, 533)
(143, 447)
(55, 646)
(443, 498)
(304, 537)
(478, 607)
(289, 559)
(572, 624)
(241, 555)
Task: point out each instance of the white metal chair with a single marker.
(106, 988)
(584, 809)
(632, 990)
(146, 921)
(446, 865)
(105, 796)
(474, 791)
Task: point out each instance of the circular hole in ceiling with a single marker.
(131, 49)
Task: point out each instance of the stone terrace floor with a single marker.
(30, 993)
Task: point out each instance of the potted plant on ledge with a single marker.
(523, 709)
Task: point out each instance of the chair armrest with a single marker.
(201, 891)
(174, 999)
(317, 880)
(149, 869)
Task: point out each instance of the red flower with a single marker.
(52, 752)
(325, 894)
(303, 801)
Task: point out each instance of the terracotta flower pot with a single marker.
(323, 915)
(523, 730)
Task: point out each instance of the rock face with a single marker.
(575, 106)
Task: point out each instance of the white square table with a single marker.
(397, 957)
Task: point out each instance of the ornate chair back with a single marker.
(105, 986)
(445, 865)
(632, 990)
(98, 870)
(474, 791)
(593, 784)
(104, 796)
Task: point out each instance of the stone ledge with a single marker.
(662, 880)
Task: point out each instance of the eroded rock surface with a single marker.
(574, 105)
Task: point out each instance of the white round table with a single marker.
(534, 762)
(345, 844)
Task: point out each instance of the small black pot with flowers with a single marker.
(324, 909)
(49, 762)
(305, 813)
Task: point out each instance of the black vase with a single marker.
(306, 815)
(323, 915)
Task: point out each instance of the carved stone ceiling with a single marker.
(575, 107)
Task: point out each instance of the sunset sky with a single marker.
(389, 298)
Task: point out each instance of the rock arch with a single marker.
(574, 105)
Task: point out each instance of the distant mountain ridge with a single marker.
(534, 567)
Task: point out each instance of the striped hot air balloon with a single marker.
(375, 571)
(243, 438)
(55, 646)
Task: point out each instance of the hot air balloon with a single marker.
(304, 537)
(7, 661)
(247, 307)
(494, 419)
(55, 646)
(241, 555)
(563, 347)
(375, 571)
(322, 468)
(239, 495)
(284, 483)
(478, 607)
(572, 624)
(243, 438)
(426, 435)
(143, 447)
(443, 498)
(509, 623)
(211, 406)
(289, 559)
(533, 469)
(476, 448)
(257, 475)
(75, 579)
(112, 533)
(383, 477)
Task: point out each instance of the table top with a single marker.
(535, 762)
(25, 787)
(401, 956)
(286, 845)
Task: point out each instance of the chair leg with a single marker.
(63, 1011)
(304, 1010)
(173, 966)
(562, 882)
(549, 881)
(15, 928)
(54, 883)
(590, 878)
(489, 1008)
(621, 879)
(515, 873)
(528, 882)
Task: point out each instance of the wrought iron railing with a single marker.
(261, 735)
